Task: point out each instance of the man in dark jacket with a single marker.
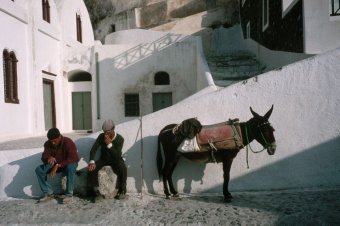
(60, 155)
(111, 144)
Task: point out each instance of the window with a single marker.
(335, 7)
(162, 78)
(265, 14)
(10, 77)
(131, 105)
(46, 11)
(113, 28)
(79, 31)
(248, 31)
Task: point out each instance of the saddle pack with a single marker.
(225, 135)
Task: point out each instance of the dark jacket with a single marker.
(65, 153)
(109, 154)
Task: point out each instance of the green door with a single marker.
(81, 111)
(161, 100)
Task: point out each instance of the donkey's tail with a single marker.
(159, 159)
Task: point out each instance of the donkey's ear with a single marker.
(254, 113)
(267, 115)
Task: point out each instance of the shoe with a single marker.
(46, 198)
(98, 198)
(67, 198)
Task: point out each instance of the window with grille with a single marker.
(10, 77)
(131, 105)
(46, 11)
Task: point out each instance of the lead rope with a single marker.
(247, 151)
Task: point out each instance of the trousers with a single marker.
(43, 170)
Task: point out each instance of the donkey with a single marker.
(171, 136)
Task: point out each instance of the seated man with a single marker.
(111, 144)
(60, 155)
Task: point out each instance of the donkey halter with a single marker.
(267, 145)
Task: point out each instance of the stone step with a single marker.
(227, 70)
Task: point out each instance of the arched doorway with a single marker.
(81, 100)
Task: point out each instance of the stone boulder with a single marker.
(106, 179)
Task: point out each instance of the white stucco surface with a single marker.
(129, 67)
(42, 49)
(306, 108)
(317, 15)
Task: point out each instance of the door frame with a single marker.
(51, 82)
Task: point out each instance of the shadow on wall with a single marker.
(84, 146)
(133, 161)
(188, 171)
(314, 167)
(24, 182)
(25, 177)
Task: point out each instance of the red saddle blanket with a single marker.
(220, 136)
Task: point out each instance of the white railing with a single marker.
(144, 50)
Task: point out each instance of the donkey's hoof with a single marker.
(176, 197)
(167, 197)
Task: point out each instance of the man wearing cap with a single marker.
(60, 155)
(111, 144)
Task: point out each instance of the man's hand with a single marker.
(54, 170)
(107, 139)
(91, 166)
(51, 160)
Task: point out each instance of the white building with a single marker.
(54, 74)
(281, 32)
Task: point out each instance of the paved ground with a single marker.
(293, 207)
(34, 142)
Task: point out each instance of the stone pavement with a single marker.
(319, 206)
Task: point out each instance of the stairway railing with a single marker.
(144, 50)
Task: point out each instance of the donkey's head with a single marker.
(262, 131)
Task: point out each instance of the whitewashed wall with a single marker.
(67, 11)
(38, 46)
(129, 66)
(16, 28)
(306, 108)
(317, 16)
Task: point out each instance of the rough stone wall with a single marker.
(106, 13)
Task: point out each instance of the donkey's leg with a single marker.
(226, 177)
(171, 185)
(166, 176)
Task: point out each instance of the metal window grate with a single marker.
(131, 105)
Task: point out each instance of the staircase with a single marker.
(230, 69)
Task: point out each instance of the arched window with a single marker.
(46, 11)
(162, 78)
(10, 77)
(79, 30)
